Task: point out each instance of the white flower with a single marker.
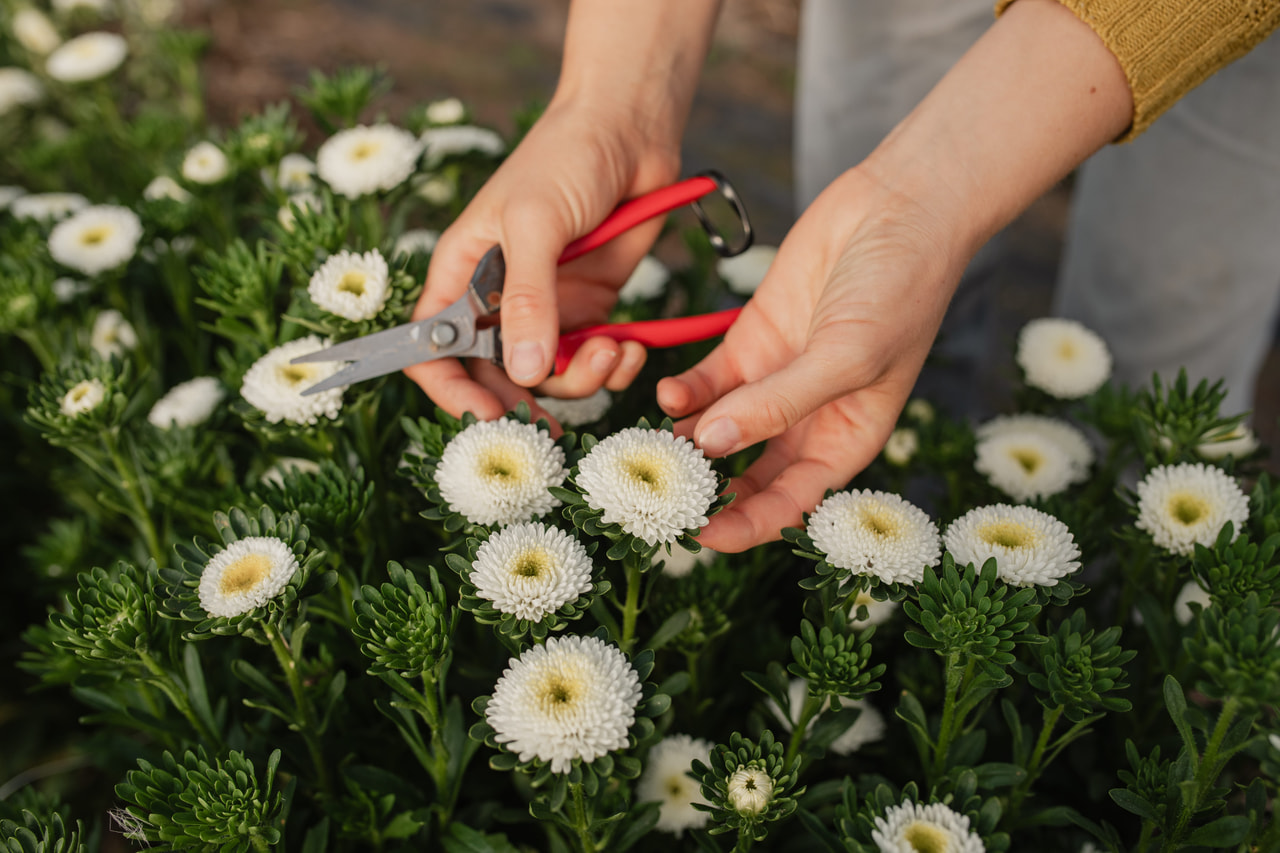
(572, 697)
(153, 12)
(187, 404)
(743, 273)
(436, 189)
(112, 334)
(667, 780)
(296, 173)
(901, 446)
(1239, 442)
(576, 412)
(96, 239)
(441, 142)
(34, 31)
(65, 7)
(9, 194)
(681, 561)
(87, 57)
(1029, 546)
(164, 187)
(750, 789)
(285, 464)
(531, 570)
(1181, 505)
(275, 386)
(416, 241)
(47, 205)
(246, 574)
(498, 472)
(363, 160)
(868, 728)
(1032, 456)
(875, 533)
(1063, 358)
(65, 289)
(446, 111)
(83, 397)
(18, 87)
(920, 411)
(878, 612)
(647, 281)
(286, 216)
(351, 285)
(913, 828)
(653, 484)
(205, 163)
(1191, 593)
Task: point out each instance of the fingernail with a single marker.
(525, 361)
(602, 361)
(719, 437)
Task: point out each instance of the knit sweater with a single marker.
(1168, 47)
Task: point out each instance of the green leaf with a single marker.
(402, 825)
(464, 839)
(1176, 701)
(1131, 802)
(1223, 832)
(670, 629)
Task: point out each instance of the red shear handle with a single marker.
(651, 333)
(631, 213)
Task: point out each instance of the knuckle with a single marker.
(522, 305)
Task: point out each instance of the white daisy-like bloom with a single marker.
(205, 163)
(1182, 505)
(1029, 546)
(163, 187)
(878, 612)
(188, 403)
(1191, 593)
(441, 142)
(571, 697)
(681, 561)
(1032, 456)
(112, 334)
(9, 194)
(650, 482)
(286, 216)
(296, 173)
(868, 728)
(750, 789)
(351, 285)
(47, 205)
(647, 281)
(66, 7)
(17, 88)
(446, 111)
(286, 464)
(1063, 358)
(743, 273)
(919, 410)
(246, 574)
(579, 411)
(274, 386)
(915, 828)
(499, 472)
(416, 241)
(96, 239)
(66, 289)
(875, 533)
(667, 780)
(87, 57)
(1239, 442)
(902, 445)
(83, 397)
(153, 12)
(34, 31)
(531, 570)
(436, 189)
(362, 160)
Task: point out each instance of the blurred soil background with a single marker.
(503, 56)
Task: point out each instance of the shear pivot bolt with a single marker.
(443, 334)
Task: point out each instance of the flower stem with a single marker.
(631, 607)
(812, 705)
(957, 675)
(129, 484)
(302, 706)
(581, 821)
(1034, 767)
(1207, 770)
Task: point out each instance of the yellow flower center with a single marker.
(559, 693)
(1029, 458)
(532, 563)
(645, 469)
(675, 786)
(95, 235)
(296, 374)
(926, 838)
(1066, 350)
(1007, 534)
(365, 150)
(502, 464)
(79, 392)
(244, 574)
(1188, 508)
(880, 521)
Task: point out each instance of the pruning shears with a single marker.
(457, 331)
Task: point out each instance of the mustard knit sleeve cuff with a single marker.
(1168, 47)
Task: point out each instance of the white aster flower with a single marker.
(83, 397)
(667, 780)
(1029, 546)
(34, 31)
(66, 289)
(1032, 456)
(920, 411)
(441, 142)
(651, 483)
(868, 728)
(87, 57)
(913, 828)
(681, 561)
(47, 205)
(446, 111)
(296, 173)
(1239, 442)
(1182, 505)
(18, 87)
(1063, 358)
(416, 241)
(153, 13)
(878, 612)
(875, 533)
(187, 404)
(1191, 593)
(743, 273)
(9, 194)
(112, 334)
(579, 411)
(274, 386)
(647, 281)
(286, 464)
(286, 216)
(96, 239)
(246, 574)
(362, 160)
(164, 187)
(750, 789)
(531, 570)
(436, 189)
(901, 446)
(499, 472)
(205, 163)
(351, 285)
(572, 697)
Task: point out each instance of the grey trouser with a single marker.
(1173, 248)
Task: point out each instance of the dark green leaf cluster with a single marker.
(736, 798)
(310, 234)
(707, 595)
(403, 627)
(1077, 668)
(855, 820)
(263, 138)
(196, 804)
(37, 834)
(109, 619)
(1238, 652)
(835, 662)
(1264, 508)
(45, 403)
(1150, 785)
(241, 287)
(337, 100)
(333, 499)
(25, 287)
(1172, 421)
(1231, 571)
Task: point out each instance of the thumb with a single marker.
(533, 241)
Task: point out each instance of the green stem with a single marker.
(957, 675)
(302, 706)
(129, 484)
(1207, 770)
(745, 840)
(42, 352)
(812, 705)
(178, 696)
(259, 843)
(631, 607)
(581, 822)
(1034, 767)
